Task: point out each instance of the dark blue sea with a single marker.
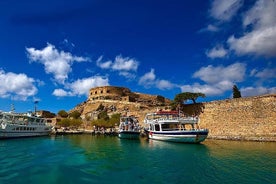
(106, 159)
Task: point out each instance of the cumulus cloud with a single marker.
(217, 79)
(61, 93)
(254, 91)
(257, 42)
(216, 52)
(263, 77)
(260, 31)
(149, 80)
(16, 86)
(211, 75)
(81, 86)
(266, 73)
(209, 90)
(55, 62)
(124, 65)
(209, 28)
(224, 10)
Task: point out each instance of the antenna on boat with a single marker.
(35, 102)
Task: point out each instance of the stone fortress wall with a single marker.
(251, 118)
(120, 100)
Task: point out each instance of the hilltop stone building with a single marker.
(125, 95)
(119, 100)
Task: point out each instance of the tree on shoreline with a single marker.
(180, 98)
(63, 113)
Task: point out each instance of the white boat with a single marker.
(175, 127)
(14, 125)
(129, 128)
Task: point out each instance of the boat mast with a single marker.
(35, 102)
(12, 108)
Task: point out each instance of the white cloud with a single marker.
(61, 93)
(261, 15)
(265, 76)
(266, 73)
(224, 10)
(260, 31)
(82, 86)
(164, 84)
(209, 90)
(55, 62)
(217, 79)
(255, 91)
(257, 42)
(120, 64)
(16, 86)
(126, 66)
(212, 75)
(212, 28)
(216, 52)
(127, 75)
(149, 80)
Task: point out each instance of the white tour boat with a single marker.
(14, 125)
(129, 128)
(175, 127)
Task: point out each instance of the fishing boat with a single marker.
(174, 126)
(13, 125)
(129, 128)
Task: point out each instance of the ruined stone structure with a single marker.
(119, 100)
(124, 94)
(251, 118)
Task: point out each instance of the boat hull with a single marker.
(129, 135)
(6, 135)
(179, 136)
(16, 131)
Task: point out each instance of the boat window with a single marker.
(31, 119)
(165, 127)
(169, 127)
(157, 128)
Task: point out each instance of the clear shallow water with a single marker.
(100, 159)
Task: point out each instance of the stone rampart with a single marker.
(251, 118)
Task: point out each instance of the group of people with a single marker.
(129, 124)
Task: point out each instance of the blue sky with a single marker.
(54, 51)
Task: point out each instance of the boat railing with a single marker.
(189, 120)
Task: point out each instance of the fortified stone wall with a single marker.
(252, 118)
(119, 100)
(108, 92)
(124, 94)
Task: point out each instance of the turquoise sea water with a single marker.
(103, 159)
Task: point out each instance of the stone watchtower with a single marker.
(124, 95)
(110, 93)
